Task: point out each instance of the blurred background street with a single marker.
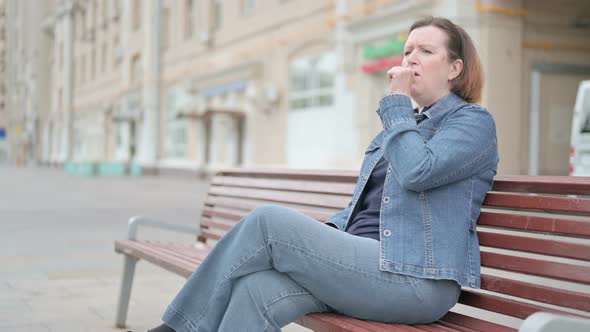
(58, 268)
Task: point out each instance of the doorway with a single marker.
(553, 95)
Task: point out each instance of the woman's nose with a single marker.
(410, 59)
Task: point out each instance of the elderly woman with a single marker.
(406, 243)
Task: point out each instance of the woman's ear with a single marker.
(456, 68)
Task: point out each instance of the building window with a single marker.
(312, 82)
(82, 26)
(94, 15)
(105, 13)
(136, 14)
(75, 69)
(135, 68)
(176, 129)
(60, 61)
(103, 58)
(217, 15)
(93, 64)
(59, 100)
(83, 69)
(189, 19)
(116, 12)
(116, 51)
(165, 28)
(248, 7)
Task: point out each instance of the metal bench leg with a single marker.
(125, 294)
(130, 262)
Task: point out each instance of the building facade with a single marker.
(3, 111)
(26, 78)
(195, 85)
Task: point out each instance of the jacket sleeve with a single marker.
(461, 146)
(339, 219)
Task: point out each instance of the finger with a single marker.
(393, 72)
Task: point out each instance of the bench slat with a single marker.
(212, 223)
(557, 226)
(435, 327)
(184, 253)
(244, 207)
(337, 322)
(339, 202)
(288, 185)
(228, 202)
(235, 217)
(141, 251)
(534, 245)
(474, 323)
(503, 305)
(327, 322)
(210, 235)
(232, 216)
(544, 203)
(455, 326)
(579, 185)
(376, 326)
(557, 270)
(545, 294)
(297, 174)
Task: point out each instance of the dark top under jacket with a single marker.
(364, 220)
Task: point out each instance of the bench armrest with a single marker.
(135, 222)
(546, 322)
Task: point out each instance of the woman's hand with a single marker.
(400, 80)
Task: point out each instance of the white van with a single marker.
(580, 141)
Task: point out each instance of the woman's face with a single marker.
(426, 54)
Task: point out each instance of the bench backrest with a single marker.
(534, 231)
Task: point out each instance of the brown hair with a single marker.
(469, 83)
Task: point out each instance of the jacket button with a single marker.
(385, 199)
(387, 232)
(389, 169)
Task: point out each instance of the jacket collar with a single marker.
(447, 103)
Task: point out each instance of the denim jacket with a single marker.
(438, 175)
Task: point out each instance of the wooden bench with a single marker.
(534, 233)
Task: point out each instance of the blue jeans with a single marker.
(277, 265)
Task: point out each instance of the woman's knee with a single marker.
(267, 213)
(265, 287)
(266, 210)
(278, 297)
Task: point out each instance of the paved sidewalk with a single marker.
(58, 270)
